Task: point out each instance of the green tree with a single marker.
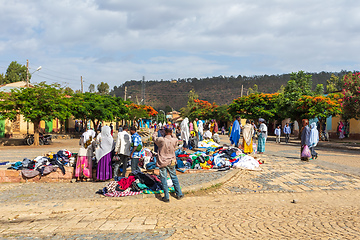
(68, 91)
(351, 100)
(319, 90)
(92, 88)
(300, 84)
(334, 84)
(254, 89)
(256, 106)
(97, 108)
(317, 107)
(41, 102)
(15, 73)
(2, 79)
(185, 111)
(103, 88)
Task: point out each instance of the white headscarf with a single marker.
(106, 143)
(185, 132)
(314, 135)
(201, 127)
(91, 133)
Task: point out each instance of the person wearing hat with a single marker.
(262, 136)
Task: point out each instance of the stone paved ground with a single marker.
(251, 205)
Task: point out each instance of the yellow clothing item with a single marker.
(248, 149)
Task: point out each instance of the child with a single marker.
(278, 134)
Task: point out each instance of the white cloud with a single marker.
(114, 41)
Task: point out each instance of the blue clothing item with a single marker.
(277, 131)
(136, 141)
(235, 133)
(287, 130)
(174, 179)
(261, 144)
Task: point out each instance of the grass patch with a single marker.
(203, 191)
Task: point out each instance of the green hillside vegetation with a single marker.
(221, 89)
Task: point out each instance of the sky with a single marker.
(115, 41)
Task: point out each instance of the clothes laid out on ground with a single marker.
(207, 143)
(218, 157)
(43, 165)
(137, 183)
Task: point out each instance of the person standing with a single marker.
(196, 129)
(278, 134)
(111, 129)
(216, 126)
(314, 139)
(166, 162)
(287, 132)
(248, 133)
(235, 132)
(84, 158)
(122, 147)
(262, 136)
(201, 129)
(103, 154)
(136, 147)
(305, 138)
(185, 132)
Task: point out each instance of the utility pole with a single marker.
(242, 90)
(125, 93)
(82, 85)
(143, 89)
(27, 73)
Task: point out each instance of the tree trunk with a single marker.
(300, 127)
(36, 133)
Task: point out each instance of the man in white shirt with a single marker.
(122, 148)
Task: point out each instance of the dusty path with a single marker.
(251, 205)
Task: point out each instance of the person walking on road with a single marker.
(136, 147)
(305, 137)
(278, 134)
(314, 139)
(166, 162)
(122, 148)
(287, 132)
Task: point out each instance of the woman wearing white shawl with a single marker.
(314, 139)
(103, 154)
(84, 161)
(248, 133)
(185, 132)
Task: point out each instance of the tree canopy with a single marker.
(351, 91)
(256, 105)
(15, 73)
(40, 102)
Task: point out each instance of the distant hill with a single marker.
(221, 89)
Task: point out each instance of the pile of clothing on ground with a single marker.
(43, 165)
(216, 157)
(208, 143)
(136, 183)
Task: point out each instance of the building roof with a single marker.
(14, 85)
